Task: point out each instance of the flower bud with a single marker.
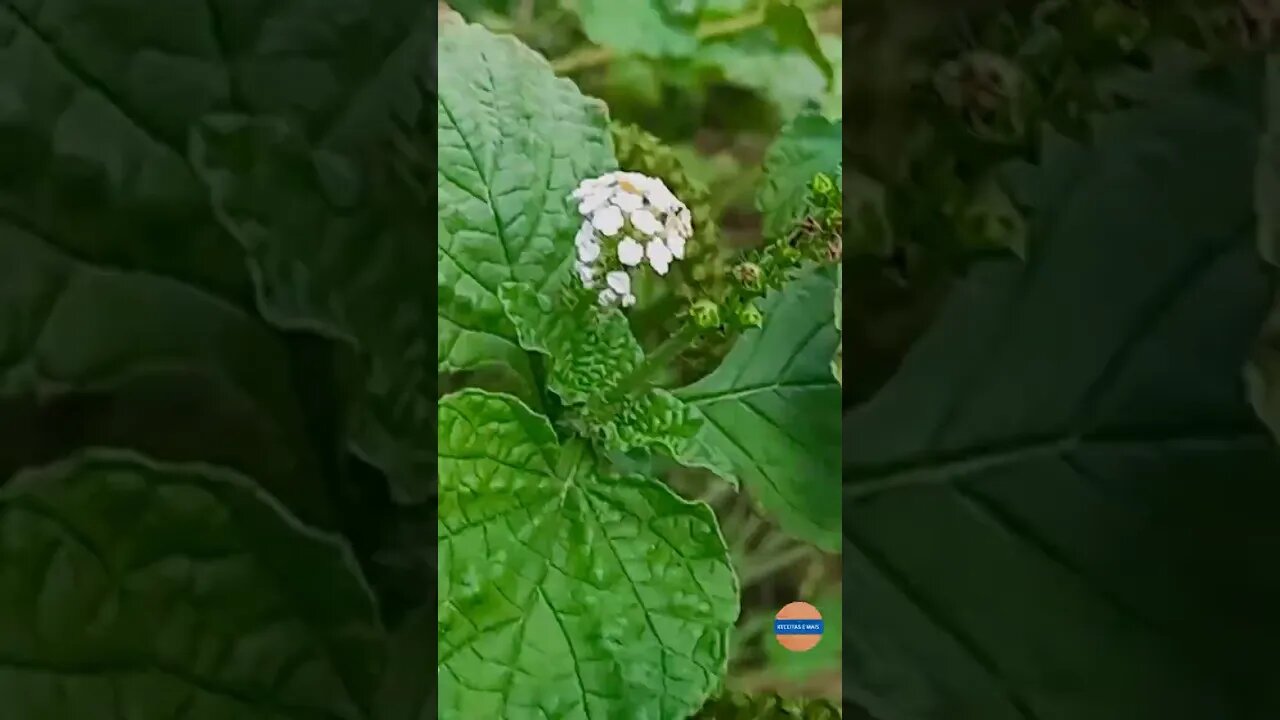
(823, 191)
(750, 276)
(749, 316)
(705, 314)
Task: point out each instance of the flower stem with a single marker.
(656, 361)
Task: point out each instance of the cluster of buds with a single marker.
(629, 220)
(817, 238)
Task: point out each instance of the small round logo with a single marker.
(798, 626)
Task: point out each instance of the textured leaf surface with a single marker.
(98, 99)
(809, 145)
(340, 247)
(136, 590)
(1061, 507)
(565, 592)
(772, 411)
(639, 27)
(589, 353)
(95, 356)
(514, 141)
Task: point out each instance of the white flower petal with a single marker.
(586, 187)
(595, 200)
(675, 243)
(628, 300)
(607, 220)
(630, 252)
(607, 297)
(619, 281)
(586, 233)
(684, 220)
(659, 256)
(627, 201)
(661, 196)
(586, 273)
(645, 222)
(588, 251)
(632, 182)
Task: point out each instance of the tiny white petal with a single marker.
(661, 197)
(619, 281)
(630, 252)
(628, 300)
(675, 243)
(659, 256)
(588, 251)
(585, 188)
(685, 220)
(607, 220)
(645, 222)
(632, 182)
(594, 201)
(607, 297)
(627, 201)
(586, 234)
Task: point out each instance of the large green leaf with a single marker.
(772, 411)
(514, 141)
(566, 592)
(96, 356)
(809, 145)
(138, 590)
(97, 101)
(1061, 507)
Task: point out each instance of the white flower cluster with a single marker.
(629, 219)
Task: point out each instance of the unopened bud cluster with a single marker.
(630, 220)
(816, 238)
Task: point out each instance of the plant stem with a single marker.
(656, 361)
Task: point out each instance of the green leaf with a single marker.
(514, 141)
(792, 29)
(589, 352)
(566, 592)
(649, 28)
(144, 590)
(1061, 506)
(92, 355)
(786, 77)
(335, 227)
(809, 145)
(833, 48)
(97, 102)
(771, 412)
(338, 247)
